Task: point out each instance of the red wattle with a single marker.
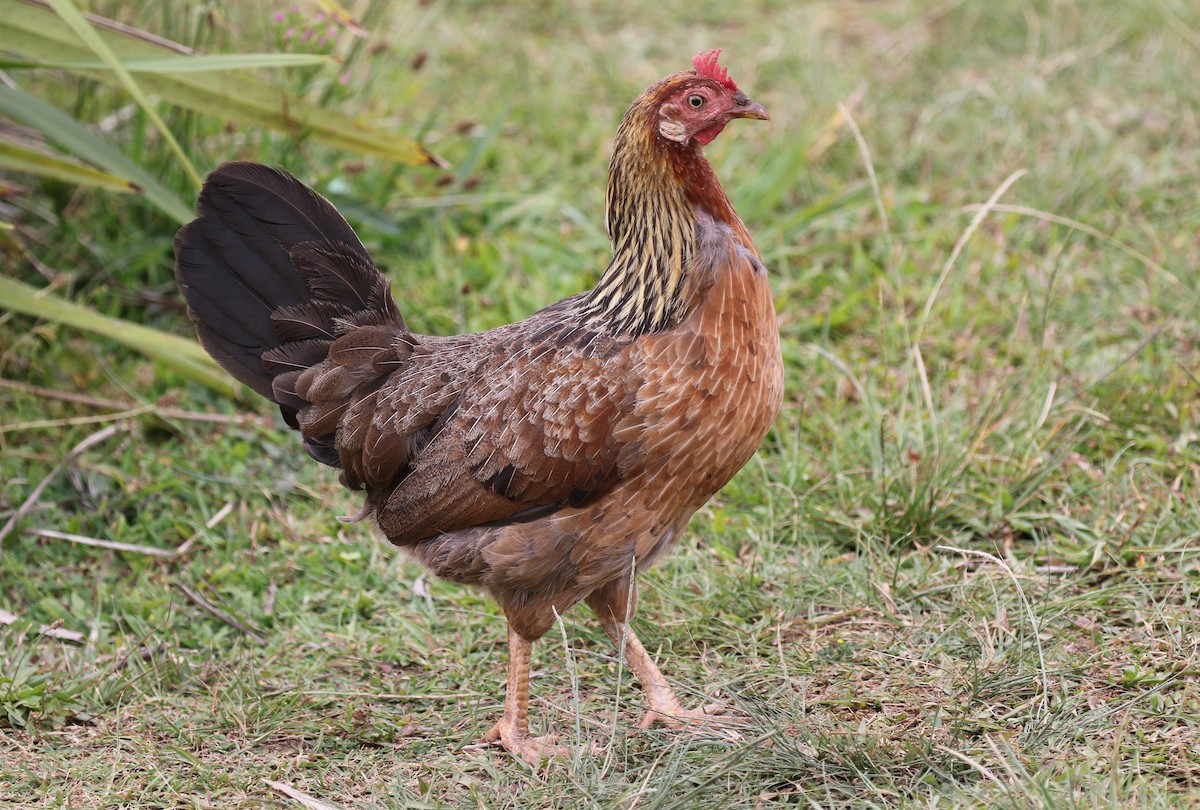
(705, 136)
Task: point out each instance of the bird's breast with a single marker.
(713, 385)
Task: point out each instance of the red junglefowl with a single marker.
(548, 461)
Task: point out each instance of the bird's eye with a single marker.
(696, 101)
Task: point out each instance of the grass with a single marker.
(961, 572)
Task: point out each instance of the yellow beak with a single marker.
(751, 109)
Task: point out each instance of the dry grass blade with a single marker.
(864, 150)
(99, 436)
(74, 421)
(229, 619)
(115, 405)
(308, 801)
(828, 134)
(981, 213)
(378, 695)
(55, 630)
(1044, 703)
(979, 767)
(51, 534)
(1076, 225)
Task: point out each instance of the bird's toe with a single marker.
(708, 719)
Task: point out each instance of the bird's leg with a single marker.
(513, 729)
(614, 605)
(663, 705)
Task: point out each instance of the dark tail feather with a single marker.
(271, 268)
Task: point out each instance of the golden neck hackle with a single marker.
(655, 188)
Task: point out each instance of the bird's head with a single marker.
(695, 106)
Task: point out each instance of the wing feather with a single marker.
(535, 426)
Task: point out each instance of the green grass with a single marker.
(1029, 394)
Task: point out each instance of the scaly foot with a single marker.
(669, 713)
(672, 715)
(519, 742)
(664, 707)
(513, 729)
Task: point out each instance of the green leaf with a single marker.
(199, 63)
(174, 352)
(32, 32)
(84, 30)
(79, 141)
(19, 158)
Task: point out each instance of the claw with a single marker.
(518, 742)
(512, 731)
(664, 707)
(674, 716)
(700, 721)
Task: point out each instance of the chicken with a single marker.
(549, 461)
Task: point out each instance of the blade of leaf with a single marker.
(72, 17)
(19, 158)
(174, 352)
(79, 141)
(33, 32)
(201, 63)
(249, 101)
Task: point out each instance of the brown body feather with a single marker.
(546, 460)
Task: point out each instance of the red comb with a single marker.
(706, 66)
